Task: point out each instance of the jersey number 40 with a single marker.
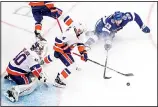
(21, 57)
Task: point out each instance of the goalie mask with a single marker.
(39, 47)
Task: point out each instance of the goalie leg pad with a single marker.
(15, 92)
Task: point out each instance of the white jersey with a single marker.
(69, 37)
(25, 60)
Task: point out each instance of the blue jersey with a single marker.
(108, 24)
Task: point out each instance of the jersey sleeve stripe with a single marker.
(68, 21)
(47, 59)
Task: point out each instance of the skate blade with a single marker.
(58, 86)
(107, 77)
(10, 98)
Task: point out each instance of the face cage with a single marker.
(39, 50)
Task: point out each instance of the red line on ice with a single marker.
(148, 23)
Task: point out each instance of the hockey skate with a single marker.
(58, 83)
(7, 77)
(12, 94)
(39, 36)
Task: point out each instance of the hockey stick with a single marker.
(106, 67)
(128, 74)
(59, 25)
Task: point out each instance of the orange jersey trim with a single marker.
(58, 49)
(14, 72)
(59, 44)
(50, 5)
(38, 27)
(37, 3)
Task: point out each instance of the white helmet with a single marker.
(79, 28)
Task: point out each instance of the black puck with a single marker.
(128, 84)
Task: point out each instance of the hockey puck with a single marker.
(128, 84)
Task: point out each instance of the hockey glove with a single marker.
(145, 29)
(84, 57)
(56, 12)
(38, 35)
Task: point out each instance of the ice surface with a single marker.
(132, 52)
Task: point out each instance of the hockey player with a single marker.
(46, 8)
(63, 46)
(25, 71)
(107, 26)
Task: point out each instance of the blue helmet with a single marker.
(117, 15)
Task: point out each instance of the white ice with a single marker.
(132, 52)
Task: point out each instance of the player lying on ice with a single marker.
(25, 71)
(107, 26)
(63, 46)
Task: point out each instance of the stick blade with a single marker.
(106, 77)
(129, 74)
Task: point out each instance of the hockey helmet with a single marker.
(79, 28)
(117, 15)
(38, 47)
